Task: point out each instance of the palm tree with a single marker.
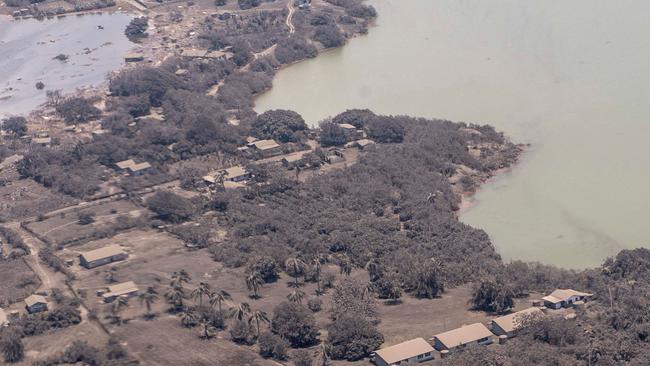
(346, 265)
(175, 296)
(296, 296)
(254, 282)
(258, 317)
(367, 289)
(147, 299)
(199, 292)
(317, 266)
(118, 305)
(188, 317)
(373, 269)
(295, 266)
(240, 311)
(207, 329)
(218, 297)
(180, 277)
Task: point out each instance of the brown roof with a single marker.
(102, 253)
(296, 156)
(560, 295)
(125, 163)
(512, 322)
(35, 299)
(463, 335)
(234, 172)
(194, 53)
(42, 140)
(233, 185)
(139, 167)
(264, 144)
(121, 289)
(404, 350)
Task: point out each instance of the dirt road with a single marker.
(291, 9)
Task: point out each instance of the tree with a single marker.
(345, 265)
(295, 267)
(253, 283)
(116, 309)
(240, 311)
(294, 48)
(137, 29)
(218, 297)
(258, 317)
(427, 281)
(352, 337)
(302, 358)
(296, 296)
(273, 346)
(202, 290)
(329, 35)
(279, 124)
(180, 277)
(12, 346)
(323, 355)
(175, 296)
(358, 118)
(77, 110)
(492, 296)
(241, 332)
(294, 323)
(331, 134)
(266, 267)
(386, 129)
(189, 317)
(317, 268)
(170, 206)
(53, 97)
(207, 329)
(16, 126)
(373, 268)
(248, 4)
(148, 298)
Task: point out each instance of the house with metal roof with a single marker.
(467, 335)
(102, 256)
(35, 304)
(565, 298)
(125, 289)
(508, 325)
(414, 351)
(267, 148)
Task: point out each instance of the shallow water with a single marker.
(27, 49)
(571, 78)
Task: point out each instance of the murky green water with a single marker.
(27, 49)
(571, 78)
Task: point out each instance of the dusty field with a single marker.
(63, 228)
(24, 198)
(18, 281)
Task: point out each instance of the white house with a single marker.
(409, 352)
(565, 298)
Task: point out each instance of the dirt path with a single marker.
(291, 9)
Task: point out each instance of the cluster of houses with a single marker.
(504, 327)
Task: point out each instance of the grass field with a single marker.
(18, 281)
(24, 198)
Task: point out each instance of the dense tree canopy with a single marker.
(281, 125)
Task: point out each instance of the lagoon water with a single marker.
(570, 78)
(27, 49)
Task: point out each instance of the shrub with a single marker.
(16, 126)
(329, 36)
(137, 29)
(295, 324)
(359, 118)
(386, 129)
(77, 110)
(241, 332)
(294, 48)
(266, 267)
(315, 304)
(273, 346)
(352, 337)
(331, 134)
(248, 4)
(170, 206)
(282, 125)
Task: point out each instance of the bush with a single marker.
(362, 11)
(248, 4)
(302, 358)
(137, 29)
(295, 324)
(170, 206)
(294, 48)
(359, 118)
(11, 345)
(351, 337)
(386, 129)
(492, 296)
(315, 304)
(266, 267)
(86, 217)
(16, 126)
(273, 346)
(281, 125)
(77, 110)
(241, 332)
(329, 36)
(331, 134)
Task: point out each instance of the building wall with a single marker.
(37, 308)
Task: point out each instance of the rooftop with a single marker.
(235, 171)
(264, 144)
(463, 335)
(101, 253)
(35, 299)
(121, 289)
(404, 350)
(296, 156)
(125, 163)
(347, 126)
(139, 167)
(560, 295)
(513, 321)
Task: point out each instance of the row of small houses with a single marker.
(418, 350)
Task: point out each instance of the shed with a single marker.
(125, 289)
(43, 141)
(134, 57)
(509, 324)
(35, 304)
(125, 164)
(268, 148)
(295, 159)
(565, 298)
(139, 168)
(413, 351)
(102, 256)
(473, 334)
(191, 53)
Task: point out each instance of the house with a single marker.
(296, 159)
(351, 132)
(42, 141)
(564, 298)
(102, 256)
(126, 289)
(467, 335)
(509, 324)
(267, 148)
(134, 57)
(190, 53)
(410, 352)
(219, 55)
(139, 168)
(334, 155)
(125, 164)
(236, 174)
(361, 144)
(35, 304)
(3, 318)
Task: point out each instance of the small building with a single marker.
(126, 289)
(296, 159)
(138, 168)
(219, 55)
(191, 53)
(235, 174)
(134, 57)
(351, 132)
(102, 256)
(360, 144)
(334, 155)
(267, 148)
(467, 335)
(564, 298)
(125, 164)
(414, 351)
(42, 141)
(508, 325)
(35, 304)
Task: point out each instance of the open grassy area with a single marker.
(18, 281)
(24, 198)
